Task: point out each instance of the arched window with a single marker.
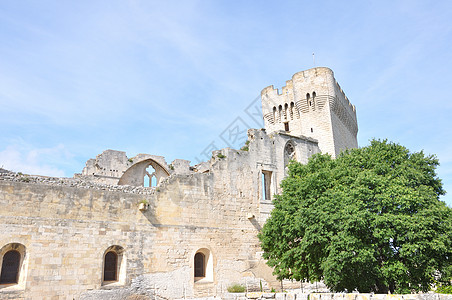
(114, 266)
(274, 114)
(203, 266)
(291, 110)
(279, 113)
(313, 98)
(308, 99)
(111, 266)
(286, 108)
(10, 267)
(200, 265)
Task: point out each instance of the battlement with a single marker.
(312, 104)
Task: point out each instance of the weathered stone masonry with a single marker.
(64, 227)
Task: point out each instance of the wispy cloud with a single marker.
(37, 161)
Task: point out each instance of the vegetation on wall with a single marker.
(370, 220)
(236, 288)
(246, 146)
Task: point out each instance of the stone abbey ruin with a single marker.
(143, 226)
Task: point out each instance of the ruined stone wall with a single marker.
(66, 232)
(67, 225)
(63, 227)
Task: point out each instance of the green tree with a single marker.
(370, 220)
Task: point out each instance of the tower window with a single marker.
(10, 267)
(274, 114)
(312, 130)
(286, 126)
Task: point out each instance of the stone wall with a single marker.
(66, 225)
(63, 227)
(334, 296)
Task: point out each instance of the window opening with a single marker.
(111, 266)
(286, 126)
(150, 180)
(200, 268)
(10, 267)
(274, 114)
(312, 130)
(266, 184)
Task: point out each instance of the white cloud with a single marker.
(37, 161)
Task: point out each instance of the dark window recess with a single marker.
(111, 266)
(312, 130)
(286, 126)
(199, 265)
(266, 184)
(10, 267)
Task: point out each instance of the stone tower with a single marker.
(312, 104)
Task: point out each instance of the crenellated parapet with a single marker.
(312, 104)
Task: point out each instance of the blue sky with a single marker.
(169, 77)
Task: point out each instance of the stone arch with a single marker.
(114, 265)
(135, 174)
(203, 265)
(13, 254)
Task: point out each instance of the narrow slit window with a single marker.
(274, 114)
(286, 126)
(266, 184)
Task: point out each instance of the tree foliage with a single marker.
(370, 220)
